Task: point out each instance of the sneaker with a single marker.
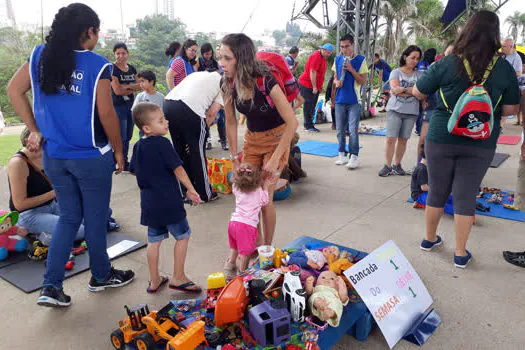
(418, 205)
(517, 259)
(52, 297)
(397, 170)
(342, 159)
(116, 278)
(313, 129)
(214, 197)
(353, 163)
(208, 146)
(113, 225)
(224, 146)
(428, 246)
(462, 261)
(386, 171)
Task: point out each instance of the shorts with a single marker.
(399, 125)
(180, 230)
(259, 147)
(427, 114)
(242, 237)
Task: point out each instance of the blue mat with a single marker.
(320, 148)
(497, 210)
(379, 132)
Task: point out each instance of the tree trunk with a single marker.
(399, 35)
(389, 38)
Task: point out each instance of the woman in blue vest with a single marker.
(182, 65)
(73, 119)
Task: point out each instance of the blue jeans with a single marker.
(347, 118)
(45, 218)
(126, 126)
(83, 189)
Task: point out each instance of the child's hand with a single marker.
(193, 196)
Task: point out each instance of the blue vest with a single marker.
(68, 122)
(187, 66)
(347, 93)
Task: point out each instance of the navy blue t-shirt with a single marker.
(153, 162)
(385, 67)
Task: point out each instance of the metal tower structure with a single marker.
(457, 9)
(356, 17)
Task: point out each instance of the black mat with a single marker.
(27, 275)
(499, 158)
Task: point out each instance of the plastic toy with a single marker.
(510, 206)
(231, 303)
(317, 323)
(328, 297)
(268, 325)
(256, 289)
(8, 229)
(294, 295)
(216, 280)
(71, 262)
(147, 329)
(310, 340)
(278, 256)
(246, 336)
(37, 251)
(312, 258)
(496, 198)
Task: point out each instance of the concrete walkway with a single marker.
(482, 307)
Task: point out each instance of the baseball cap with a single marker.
(327, 46)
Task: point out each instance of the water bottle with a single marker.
(343, 70)
(45, 238)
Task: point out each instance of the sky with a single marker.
(199, 15)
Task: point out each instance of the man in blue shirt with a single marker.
(383, 69)
(350, 75)
(291, 59)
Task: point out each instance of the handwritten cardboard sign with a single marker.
(391, 289)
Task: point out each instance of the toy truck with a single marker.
(147, 330)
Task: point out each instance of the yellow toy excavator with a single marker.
(147, 329)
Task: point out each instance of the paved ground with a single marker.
(482, 307)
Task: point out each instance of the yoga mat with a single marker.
(379, 132)
(499, 158)
(496, 210)
(508, 140)
(27, 274)
(320, 148)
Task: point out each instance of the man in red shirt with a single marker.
(311, 83)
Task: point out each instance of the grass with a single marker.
(9, 145)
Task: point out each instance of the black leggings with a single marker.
(458, 169)
(188, 134)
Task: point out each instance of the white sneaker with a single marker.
(342, 159)
(353, 163)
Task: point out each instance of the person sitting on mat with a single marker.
(157, 167)
(419, 185)
(33, 196)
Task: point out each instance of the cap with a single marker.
(327, 46)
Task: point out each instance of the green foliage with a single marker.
(293, 29)
(279, 36)
(16, 46)
(9, 145)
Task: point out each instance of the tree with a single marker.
(279, 36)
(522, 23)
(154, 35)
(16, 46)
(514, 22)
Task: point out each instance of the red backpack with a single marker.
(279, 69)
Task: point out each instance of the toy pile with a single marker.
(282, 302)
(498, 197)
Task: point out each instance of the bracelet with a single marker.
(233, 158)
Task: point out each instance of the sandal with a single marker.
(163, 281)
(184, 287)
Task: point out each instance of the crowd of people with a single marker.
(62, 177)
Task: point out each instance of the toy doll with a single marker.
(315, 259)
(328, 297)
(7, 230)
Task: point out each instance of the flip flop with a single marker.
(163, 281)
(184, 287)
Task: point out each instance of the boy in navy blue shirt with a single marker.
(157, 167)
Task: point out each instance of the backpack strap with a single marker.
(444, 101)
(261, 86)
(488, 71)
